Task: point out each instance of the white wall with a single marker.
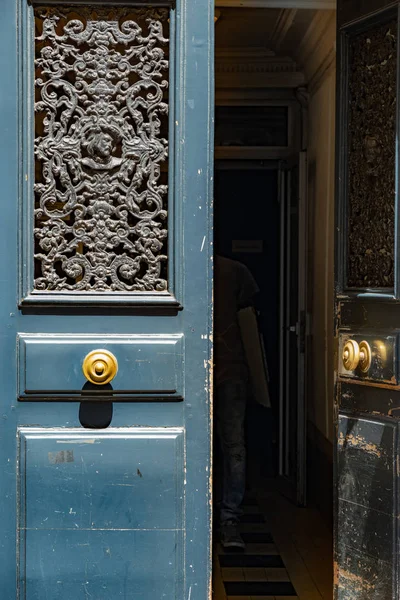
(321, 157)
(319, 64)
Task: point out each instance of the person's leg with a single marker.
(230, 414)
(217, 474)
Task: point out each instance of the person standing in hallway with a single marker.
(235, 289)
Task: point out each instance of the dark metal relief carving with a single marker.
(101, 77)
(371, 157)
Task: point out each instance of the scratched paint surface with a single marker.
(114, 499)
(367, 512)
(112, 564)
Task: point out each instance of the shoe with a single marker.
(230, 537)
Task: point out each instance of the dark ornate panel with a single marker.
(371, 157)
(101, 128)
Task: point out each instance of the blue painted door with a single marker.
(105, 162)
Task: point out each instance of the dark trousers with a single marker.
(229, 419)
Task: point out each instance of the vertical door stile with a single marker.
(288, 323)
(302, 332)
(282, 200)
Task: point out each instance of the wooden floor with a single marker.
(292, 548)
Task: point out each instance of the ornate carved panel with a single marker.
(371, 157)
(101, 127)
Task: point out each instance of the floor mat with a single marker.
(260, 571)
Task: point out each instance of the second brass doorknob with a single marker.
(100, 367)
(357, 356)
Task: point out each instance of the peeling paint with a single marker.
(351, 582)
(357, 441)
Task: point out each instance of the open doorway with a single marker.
(273, 192)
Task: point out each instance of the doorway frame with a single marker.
(246, 163)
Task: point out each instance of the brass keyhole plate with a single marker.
(100, 367)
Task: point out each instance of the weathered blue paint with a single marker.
(123, 537)
(140, 489)
(148, 365)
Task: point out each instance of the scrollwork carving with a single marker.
(101, 75)
(372, 157)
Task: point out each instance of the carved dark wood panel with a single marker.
(371, 157)
(101, 78)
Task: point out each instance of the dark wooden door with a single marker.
(292, 346)
(367, 303)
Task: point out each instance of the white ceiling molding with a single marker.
(298, 4)
(259, 80)
(282, 26)
(243, 54)
(252, 60)
(255, 97)
(317, 52)
(315, 34)
(252, 153)
(237, 68)
(324, 69)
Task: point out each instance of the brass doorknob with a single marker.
(357, 355)
(351, 355)
(100, 367)
(365, 357)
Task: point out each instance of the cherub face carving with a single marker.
(100, 147)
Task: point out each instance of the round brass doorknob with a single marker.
(351, 355)
(365, 357)
(100, 367)
(357, 355)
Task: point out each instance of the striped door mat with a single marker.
(259, 573)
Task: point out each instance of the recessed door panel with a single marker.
(50, 367)
(367, 507)
(130, 479)
(366, 451)
(98, 510)
(102, 564)
(374, 357)
(369, 159)
(101, 76)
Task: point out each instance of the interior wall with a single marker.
(312, 65)
(321, 168)
(321, 155)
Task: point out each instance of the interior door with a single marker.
(293, 272)
(105, 156)
(367, 303)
